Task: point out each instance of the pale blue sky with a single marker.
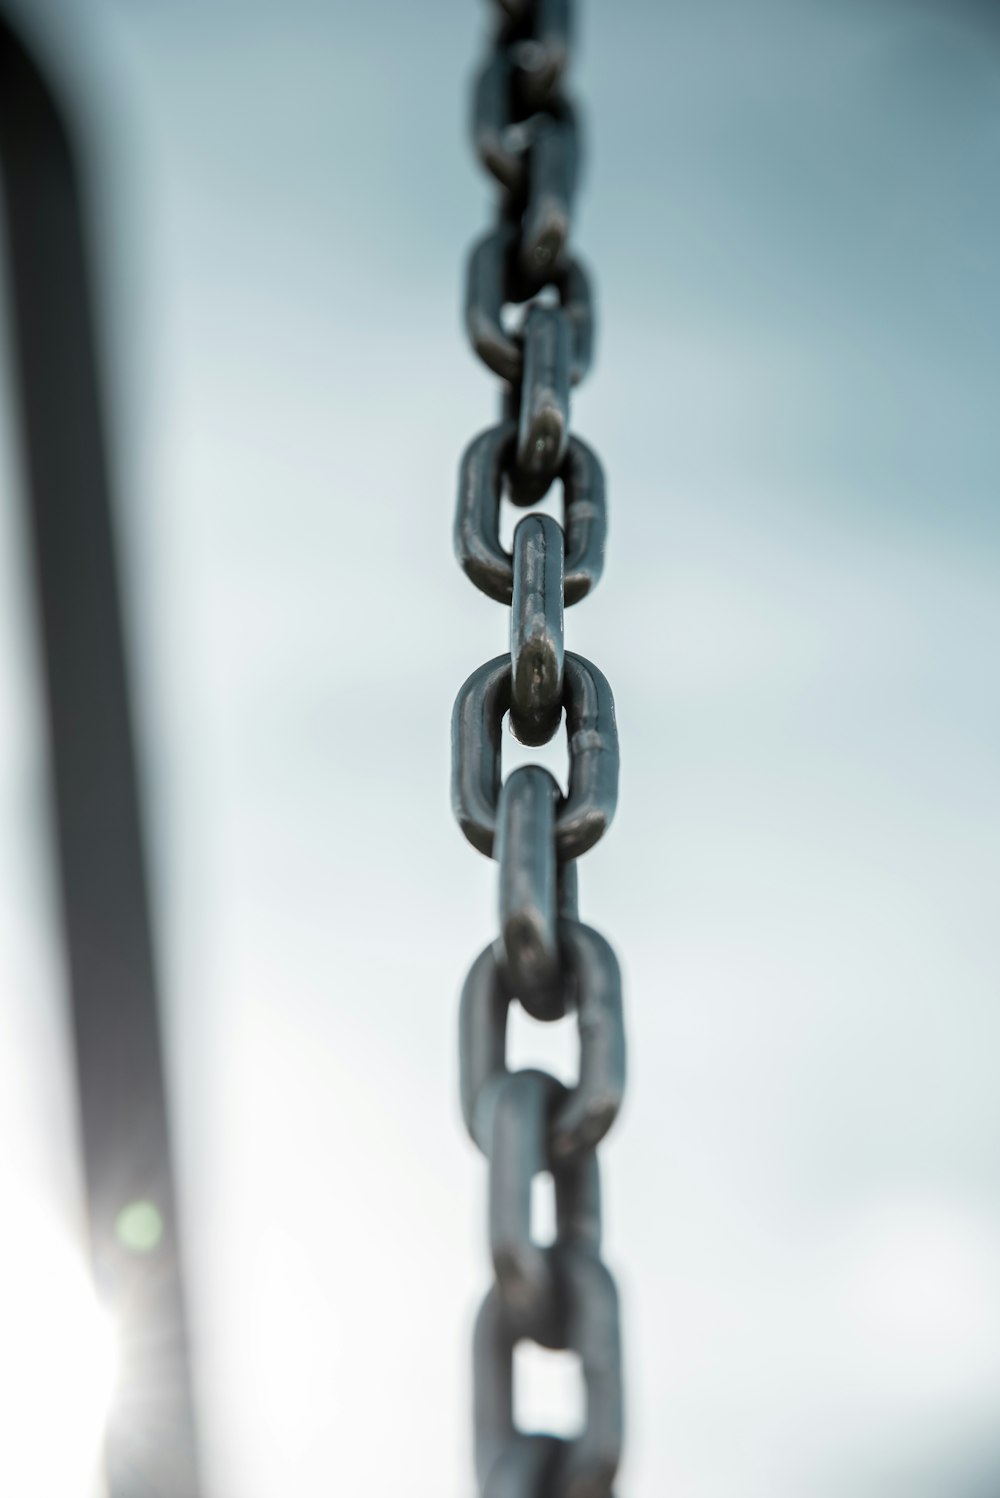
(790, 210)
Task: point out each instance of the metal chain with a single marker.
(526, 1122)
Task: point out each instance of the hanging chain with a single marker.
(526, 1122)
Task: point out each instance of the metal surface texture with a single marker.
(151, 1445)
(527, 1123)
(485, 471)
(537, 656)
(496, 279)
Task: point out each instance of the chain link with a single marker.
(527, 1123)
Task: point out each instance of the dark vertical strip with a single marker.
(151, 1441)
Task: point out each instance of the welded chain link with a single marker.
(526, 1122)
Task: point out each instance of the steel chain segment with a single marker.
(495, 281)
(485, 465)
(537, 656)
(526, 1122)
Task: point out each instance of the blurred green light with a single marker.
(139, 1227)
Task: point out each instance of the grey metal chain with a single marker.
(526, 1122)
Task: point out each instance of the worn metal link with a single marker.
(534, 156)
(586, 810)
(477, 516)
(501, 141)
(583, 1319)
(552, 163)
(496, 280)
(568, 891)
(537, 653)
(526, 829)
(543, 419)
(590, 983)
(527, 1123)
(543, 52)
(518, 1152)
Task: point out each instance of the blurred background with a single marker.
(791, 212)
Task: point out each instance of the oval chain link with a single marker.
(527, 1123)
